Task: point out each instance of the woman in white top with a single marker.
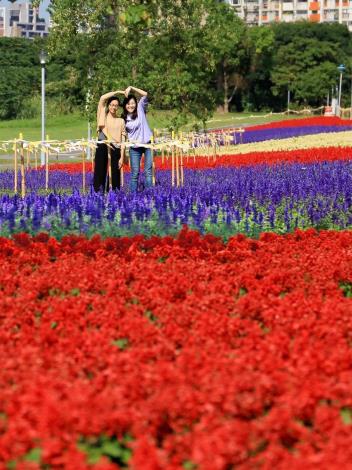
(112, 128)
(139, 132)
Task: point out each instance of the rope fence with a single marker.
(175, 147)
(168, 145)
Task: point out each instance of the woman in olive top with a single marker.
(110, 127)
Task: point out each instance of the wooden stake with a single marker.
(28, 158)
(173, 161)
(122, 177)
(84, 171)
(109, 167)
(153, 163)
(15, 168)
(47, 165)
(182, 175)
(23, 180)
(46, 168)
(177, 161)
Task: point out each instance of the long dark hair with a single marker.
(108, 101)
(124, 104)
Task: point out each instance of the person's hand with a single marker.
(120, 163)
(128, 91)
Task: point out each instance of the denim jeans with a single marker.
(135, 159)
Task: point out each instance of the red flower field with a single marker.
(176, 353)
(301, 122)
(311, 155)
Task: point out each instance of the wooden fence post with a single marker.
(23, 177)
(84, 170)
(172, 160)
(23, 180)
(47, 166)
(15, 168)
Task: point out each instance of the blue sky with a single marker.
(43, 6)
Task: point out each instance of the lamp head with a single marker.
(43, 57)
(341, 68)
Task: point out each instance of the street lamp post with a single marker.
(341, 68)
(88, 99)
(43, 58)
(351, 101)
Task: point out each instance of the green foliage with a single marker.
(121, 343)
(346, 288)
(346, 415)
(20, 80)
(191, 56)
(334, 33)
(243, 291)
(151, 317)
(175, 50)
(306, 60)
(308, 66)
(117, 451)
(19, 74)
(189, 465)
(54, 106)
(34, 456)
(261, 47)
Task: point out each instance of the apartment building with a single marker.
(22, 20)
(258, 12)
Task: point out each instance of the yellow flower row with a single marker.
(331, 139)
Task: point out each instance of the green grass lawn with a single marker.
(58, 128)
(75, 126)
(220, 120)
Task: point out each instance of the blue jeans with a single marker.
(135, 159)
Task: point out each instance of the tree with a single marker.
(306, 60)
(19, 74)
(261, 47)
(176, 49)
(226, 36)
(308, 66)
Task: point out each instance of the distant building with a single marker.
(22, 20)
(258, 12)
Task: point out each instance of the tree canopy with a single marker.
(175, 49)
(18, 77)
(192, 56)
(306, 60)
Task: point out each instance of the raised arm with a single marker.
(101, 106)
(136, 90)
(105, 97)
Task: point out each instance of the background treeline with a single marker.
(192, 57)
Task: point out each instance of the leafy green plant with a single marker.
(346, 288)
(117, 451)
(121, 343)
(346, 415)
